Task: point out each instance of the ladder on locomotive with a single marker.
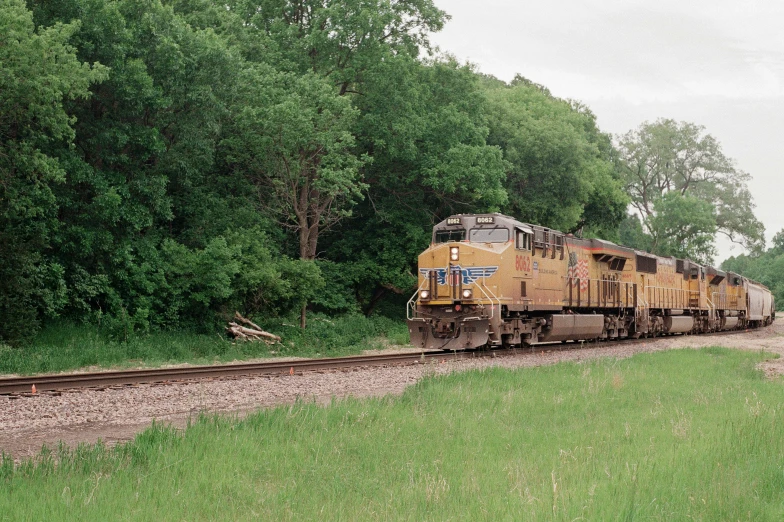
(641, 311)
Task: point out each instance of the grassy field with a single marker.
(67, 346)
(680, 435)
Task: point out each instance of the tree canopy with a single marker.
(561, 173)
(167, 162)
(685, 190)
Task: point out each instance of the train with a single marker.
(490, 280)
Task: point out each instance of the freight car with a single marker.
(488, 279)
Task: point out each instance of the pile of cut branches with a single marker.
(249, 332)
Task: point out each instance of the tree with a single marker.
(424, 124)
(683, 226)
(778, 241)
(303, 135)
(561, 174)
(338, 40)
(293, 138)
(153, 229)
(666, 156)
(632, 235)
(39, 74)
(767, 267)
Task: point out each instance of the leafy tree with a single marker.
(767, 267)
(666, 156)
(39, 73)
(338, 40)
(631, 233)
(150, 221)
(297, 144)
(303, 137)
(424, 126)
(683, 226)
(778, 241)
(561, 174)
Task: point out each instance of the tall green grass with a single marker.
(66, 346)
(681, 435)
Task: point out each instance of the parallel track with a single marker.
(22, 386)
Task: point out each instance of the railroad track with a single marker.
(47, 383)
(23, 386)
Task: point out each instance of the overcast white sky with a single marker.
(717, 63)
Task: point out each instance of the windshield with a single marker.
(445, 236)
(488, 235)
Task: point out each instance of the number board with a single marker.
(485, 220)
(452, 221)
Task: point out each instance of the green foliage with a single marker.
(424, 125)
(560, 174)
(166, 162)
(767, 267)
(39, 74)
(149, 235)
(683, 226)
(668, 157)
(292, 137)
(63, 346)
(338, 40)
(631, 233)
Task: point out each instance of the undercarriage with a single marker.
(455, 328)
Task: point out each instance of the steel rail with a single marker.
(16, 385)
(66, 381)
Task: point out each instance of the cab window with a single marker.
(445, 236)
(522, 240)
(488, 235)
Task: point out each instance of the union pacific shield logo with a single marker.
(469, 275)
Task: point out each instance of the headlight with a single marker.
(468, 293)
(454, 253)
(424, 294)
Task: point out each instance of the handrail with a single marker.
(669, 297)
(489, 295)
(412, 302)
(725, 301)
(611, 294)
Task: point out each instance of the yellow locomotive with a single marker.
(490, 279)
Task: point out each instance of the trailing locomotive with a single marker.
(489, 279)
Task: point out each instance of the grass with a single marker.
(68, 346)
(679, 435)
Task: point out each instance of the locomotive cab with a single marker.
(456, 304)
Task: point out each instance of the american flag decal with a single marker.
(578, 269)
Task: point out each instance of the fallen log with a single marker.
(250, 334)
(247, 322)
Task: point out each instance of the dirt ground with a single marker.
(118, 415)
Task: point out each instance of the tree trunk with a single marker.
(378, 293)
(303, 316)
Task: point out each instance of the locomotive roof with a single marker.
(497, 219)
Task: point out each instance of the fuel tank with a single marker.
(678, 324)
(730, 323)
(572, 326)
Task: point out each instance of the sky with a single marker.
(716, 63)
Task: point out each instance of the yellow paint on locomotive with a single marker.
(509, 275)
